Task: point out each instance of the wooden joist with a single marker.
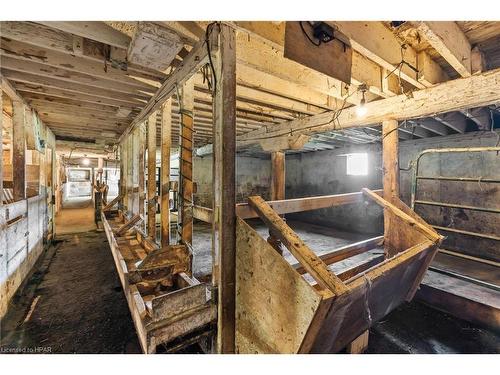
(309, 260)
(475, 91)
(450, 42)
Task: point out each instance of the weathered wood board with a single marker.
(281, 309)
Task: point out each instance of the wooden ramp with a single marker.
(169, 307)
(307, 308)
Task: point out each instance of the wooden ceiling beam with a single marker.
(450, 42)
(475, 91)
(364, 71)
(192, 63)
(65, 94)
(15, 76)
(40, 69)
(95, 30)
(65, 60)
(375, 41)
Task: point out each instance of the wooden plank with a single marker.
(18, 150)
(142, 184)
(424, 229)
(95, 30)
(1, 148)
(277, 175)
(277, 190)
(224, 180)
(166, 138)
(390, 178)
(110, 205)
(185, 218)
(359, 345)
(450, 42)
(345, 252)
(475, 91)
(286, 206)
(128, 225)
(309, 260)
(152, 176)
(275, 305)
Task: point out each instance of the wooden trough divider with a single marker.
(111, 204)
(280, 311)
(309, 260)
(165, 301)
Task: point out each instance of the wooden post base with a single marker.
(359, 344)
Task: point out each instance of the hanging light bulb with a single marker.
(361, 108)
(85, 161)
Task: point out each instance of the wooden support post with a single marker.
(19, 151)
(277, 190)
(122, 186)
(390, 168)
(152, 176)
(185, 217)
(1, 147)
(130, 169)
(224, 178)
(142, 192)
(166, 134)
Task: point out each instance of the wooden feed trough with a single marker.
(168, 305)
(306, 308)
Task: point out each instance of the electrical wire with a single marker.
(208, 31)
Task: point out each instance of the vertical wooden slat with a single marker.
(390, 167)
(186, 163)
(19, 151)
(166, 133)
(122, 173)
(152, 176)
(224, 223)
(1, 147)
(142, 147)
(130, 171)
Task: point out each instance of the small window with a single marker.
(357, 164)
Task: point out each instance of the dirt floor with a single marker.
(74, 303)
(80, 306)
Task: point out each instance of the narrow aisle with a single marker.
(74, 303)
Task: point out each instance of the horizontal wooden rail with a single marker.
(287, 206)
(345, 252)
